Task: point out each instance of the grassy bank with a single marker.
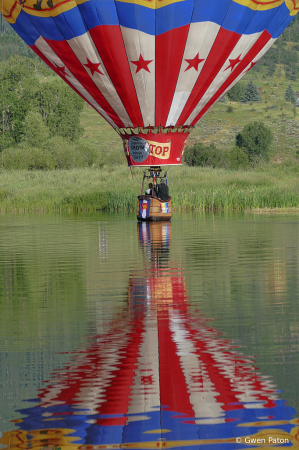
(115, 190)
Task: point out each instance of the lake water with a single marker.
(179, 335)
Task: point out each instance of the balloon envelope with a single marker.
(151, 68)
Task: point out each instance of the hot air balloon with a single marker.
(151, 68)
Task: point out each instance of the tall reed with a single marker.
(115, 190)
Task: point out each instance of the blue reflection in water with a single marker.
(161, 377)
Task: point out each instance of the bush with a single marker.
(27, 158)
(91, 157)
(236, 92)
(203, 156)
(255, 140)
(65, 154)
(54, 153)
(237, 159)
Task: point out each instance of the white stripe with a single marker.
(138, 43)
(146, 398)
(202, 396)
(46, 50)
(242, 47)
(243, 383)
(84, 47)
(200, 40)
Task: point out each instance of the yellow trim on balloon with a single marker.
(293, 6)
(260, 5)
(264, 5)
(12, 8)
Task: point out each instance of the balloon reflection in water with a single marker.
(161, 377)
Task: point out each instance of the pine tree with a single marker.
(251, 93)
(290, 94)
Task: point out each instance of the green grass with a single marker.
(115, 190)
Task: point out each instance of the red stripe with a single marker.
(221, 382)
(253, 52)
(109, 43)
(70, 60)
(228, 388)
(74, 379)
(173, 388)
(265, 3)
(224, 43)
(118, 394)
(170, 48)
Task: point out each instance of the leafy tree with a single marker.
(21, 92)
(290, 94)
(36, 131)
(251, 93)
(203, 156)
(255, 140)
(18, 90)
(236, 92)
(60, 108)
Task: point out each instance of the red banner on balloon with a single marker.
(155, 149)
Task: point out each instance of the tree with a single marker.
(201, 155)
(236, 92)
(18, 90)
(223, 99)
(290, 94)
(60, 108)
(36, 131)
(255, 140)
(251, 93)
(21, 92)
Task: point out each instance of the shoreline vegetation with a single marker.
(113, 189)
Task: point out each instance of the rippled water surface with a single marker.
(115, 334)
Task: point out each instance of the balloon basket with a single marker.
(152, 209)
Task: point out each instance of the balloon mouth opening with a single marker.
(124, 132)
